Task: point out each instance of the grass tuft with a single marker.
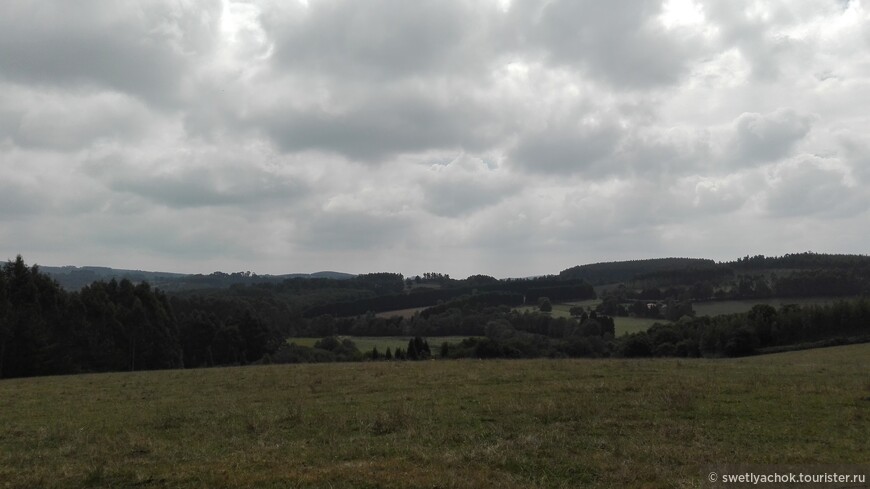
(395, 419)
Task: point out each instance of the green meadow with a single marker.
(464, 423)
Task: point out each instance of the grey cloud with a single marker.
(142, 49)
(630, 209)
(617, 42)
(605, 149)
(707, 198)
(770, 35)
(42, 185)
(465, 186)
(565, 222)
(220, 182)
(351, 48)
(455, 199)
(377, 39)
(767, 137)
(751, 36)
(652, 152)
(383, 125)
(856, 152)
(808, 187)
(17, 201)
(370, 81)
(68, 121)
(199, 188)
(194, 236)
(566, 149)
(353, 230)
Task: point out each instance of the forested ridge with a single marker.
(74, 278)
(119, 325)
(750, 277)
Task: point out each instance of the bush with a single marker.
(687, 348)
(636, 345)
(743, 343)
(487, 348)
(665, 350)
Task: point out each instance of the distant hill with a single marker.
(326, 274)
(657, 272)
(621, 271)
(689, 270)
(801, 261)
(74, 278)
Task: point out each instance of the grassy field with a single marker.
(718, 308)
(366, 343)
(623, 325)
(511, 424)
(627, 325)
(404, 313)
(559, 310)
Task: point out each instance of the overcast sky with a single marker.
(506, 137)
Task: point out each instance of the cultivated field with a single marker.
(528, 423)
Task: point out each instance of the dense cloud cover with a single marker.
(508, 137)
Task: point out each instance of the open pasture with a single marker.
(450, 424)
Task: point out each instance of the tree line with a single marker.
(105, 326)
(499, 332)
(119, 325)
(763, 329)
(528, 290)
(114, 326)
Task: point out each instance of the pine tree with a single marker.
(388, 355)
(375, 354)
(5, 327)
